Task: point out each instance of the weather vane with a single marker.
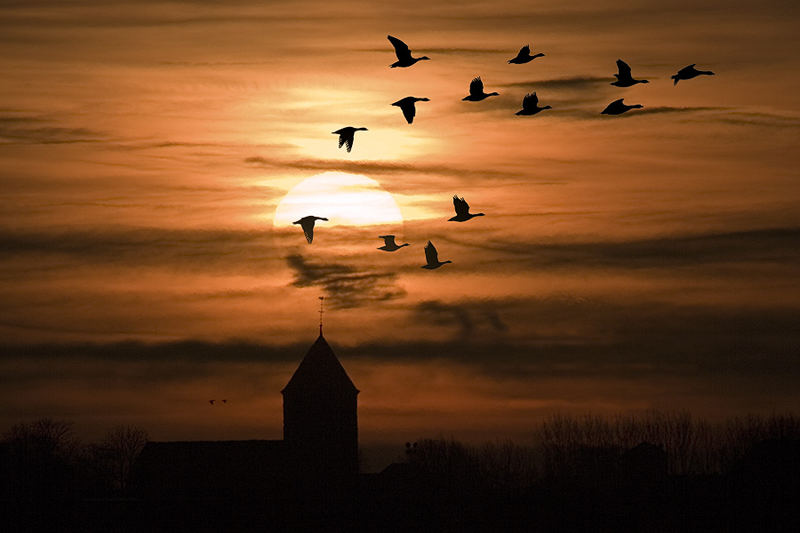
(321, 310)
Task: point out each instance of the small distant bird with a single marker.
(224, 401)
(687, 73)
(524, 56)
(624, 78)
(530, 105)
(307, 223)
(407, 106)
(617, 107)
(389, 245)
(211, 402)
(403, 53)
(432, 257)
(462, 211)
(476, 93)
(346, 136)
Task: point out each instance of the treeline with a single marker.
(43, 461)
(562, 444)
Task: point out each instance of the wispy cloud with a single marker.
(345, 285)
(26, 129)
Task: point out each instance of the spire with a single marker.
(321, 310)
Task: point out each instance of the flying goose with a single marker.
(407, 106)
(524, 56)
(476, 93)
(389, 245)
(617, 107)
(403, 53)
(624, 78)
(530, 105)
(687, 73)
(432, 257)
(462, 210)
(307, 223)
(346, 135)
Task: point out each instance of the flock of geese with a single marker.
(530, 106)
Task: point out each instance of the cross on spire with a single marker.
(321, 310)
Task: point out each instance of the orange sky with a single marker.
(645, 260)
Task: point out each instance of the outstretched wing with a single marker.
(348, 141)
(624, 69)
(476, 87)
(462, 207)
(530, 101)
(341, 140)
(308, 228)
(409, 110)
(388, 240)
(400, 48)
(431, 255)
(524, 51)
(686, 70)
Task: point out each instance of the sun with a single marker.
(344, 199)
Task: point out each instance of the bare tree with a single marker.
(122, 445)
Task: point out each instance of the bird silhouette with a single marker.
(432, 257)
(211, 402)
(389, 245)
(307, 223)
(407, 106)
(530, 105)
(462, 211)
(524, 56)
(476, 93)
(687, 73)
(624, 78)
(224, 401)
(403, 53)
(617, 107)
(346, 135)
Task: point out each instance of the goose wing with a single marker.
(462, 207)
(388, 240)
(431, 255)
(624, 69)
(307, 223)
(531, 101)
(348, 141)
(476, 87)
(401, 49)
(409, 110)
(687, 70)
(525, 51)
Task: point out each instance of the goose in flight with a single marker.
(476, 93)
(346, 136)
(524, 56)
(307, 223)
(617, 107)
(403, 53)
(389, 245)
(687, 73)
(211, 402)
(407, 106)
(624, 78)
(530, 105)
(462, 210)
(432, 257)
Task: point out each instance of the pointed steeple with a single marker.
(320, 370)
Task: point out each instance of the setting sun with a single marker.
(345, 199)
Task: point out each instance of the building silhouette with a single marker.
(318, 454)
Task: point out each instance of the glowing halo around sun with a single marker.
(344, 199)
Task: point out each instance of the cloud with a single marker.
(345, 285)
(574, 83)
(26, 129)
(467, 317)
(772, 245)
(374, 167)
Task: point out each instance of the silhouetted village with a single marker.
(652, 472)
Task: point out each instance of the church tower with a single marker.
(320, 418)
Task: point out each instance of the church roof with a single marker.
(320, 369)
